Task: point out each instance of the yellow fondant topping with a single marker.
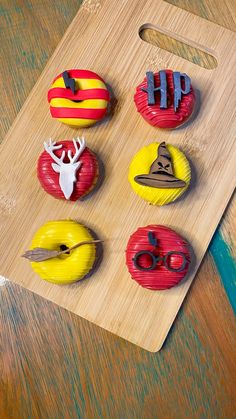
(141, 164)
(75, 122)
(64, 269)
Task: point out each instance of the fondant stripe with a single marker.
(81, 74)
(59, 92)
(77, 113)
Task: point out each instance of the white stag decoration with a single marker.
(67, 171)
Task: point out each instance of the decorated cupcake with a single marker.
(62, 252)
(159, 173)
(165, 99)
(68, 169)
(78, 98)
(157, 257)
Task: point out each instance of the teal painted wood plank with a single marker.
(226, 265)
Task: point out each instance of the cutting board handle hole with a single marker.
(178, 46)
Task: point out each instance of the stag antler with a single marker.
(78, 151)
(50, 147)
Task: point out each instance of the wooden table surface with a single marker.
(54, 364)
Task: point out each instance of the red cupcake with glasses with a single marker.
(157, 257)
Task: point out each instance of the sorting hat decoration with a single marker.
(161, 174)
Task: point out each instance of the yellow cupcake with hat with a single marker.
(159, 173)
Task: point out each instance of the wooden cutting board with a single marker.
(104, 37)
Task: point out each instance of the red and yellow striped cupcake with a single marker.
(78, 98)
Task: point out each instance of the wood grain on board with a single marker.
(110, 298)
(96, 372)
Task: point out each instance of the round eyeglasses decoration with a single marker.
(166, 259)
(155, 259)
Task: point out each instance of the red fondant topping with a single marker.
(164, 118)
(86, 175)
(160, 277)
(60, 92)
(80, 113)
